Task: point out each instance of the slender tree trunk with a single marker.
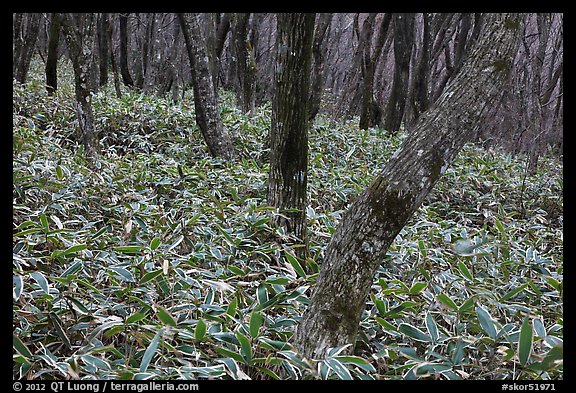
(403, 43)
(205, 102)
(370, 112)
(124, 69)
(103, 51)
(22, 62)
(79, 31)
(419, 99)
(372, 222)
(288, 177)
(318, 52)
(245, 67)
(110, 33)
(52, 55)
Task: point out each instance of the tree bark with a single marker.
(403, 44)
(368, 228)
(79, 31)
(370, 112)
(52, 55)
(124, 69)
(205, 102)
(318, 52)
(103, 51)
(245, 66)
(288, 177)
(24, 52)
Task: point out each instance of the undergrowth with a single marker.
(163, 262)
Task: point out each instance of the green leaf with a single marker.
(200, 330)
(245, 347)
(414, 332)
(539, 328)
(165, 317)
(513, 292)
(70, 250)
(73, 269)
(295, 264)
(137, 316)
(339, 369)
(18, 286)
(231, 309)
(486, 322)
(41, 280)
(525, 341)
(154, 244)
(129, 249)
(447, 301)
(150, 276)
(20, 346)
(464, 270)
(44, 223)
(256, 320)
(432, 327)
(417, 287)
(150, 351)
(57, 323)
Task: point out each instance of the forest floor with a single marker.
(161, 262)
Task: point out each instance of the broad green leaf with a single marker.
(20, 346)
(150, 276)
(447, 301)
(432, 327)
(127, 275)
(231, 354)
(129, 249)
(295, 264)
(539, 328)
(200, 330)
(458, 354)
(73, 269)
(245, 347)
(41, 280)
(165, 317)
(150, 351)
(414, 332)
(44, 223)
(340, 370)
(417, 287)
(256, 320)
(18, 282)
(525, 341)
(486, 322)
(70, 250)
(464, 270)
(231, 309)
(154, 244)
(137, 316)
(513, 292)
(236, 270)
(59, 172)
(57, 323)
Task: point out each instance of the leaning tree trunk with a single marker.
(288, 176)
(205, 101)
(79, 31)
(372, 222)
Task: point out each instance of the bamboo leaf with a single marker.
(525, 341)
(486, 322)
(414, 332)
(150, 351)
(200, 330)
(165, 317)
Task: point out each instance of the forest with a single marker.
(287, 196)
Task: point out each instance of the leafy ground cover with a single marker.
(163, 263)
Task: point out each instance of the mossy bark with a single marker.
(79, 32)
(370, 225)
(205, 100)
(288, 177)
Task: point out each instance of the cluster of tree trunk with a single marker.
(441, 75)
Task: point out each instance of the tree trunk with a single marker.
(318, 52)
(403, 43)
(124, 70)
(79, 32)
(372, 222)
(288, 176)
(103, 49)
(245, 67)
(205, 102)
(52, 55)
(419, 99)
(370, 112)
(24, 53)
